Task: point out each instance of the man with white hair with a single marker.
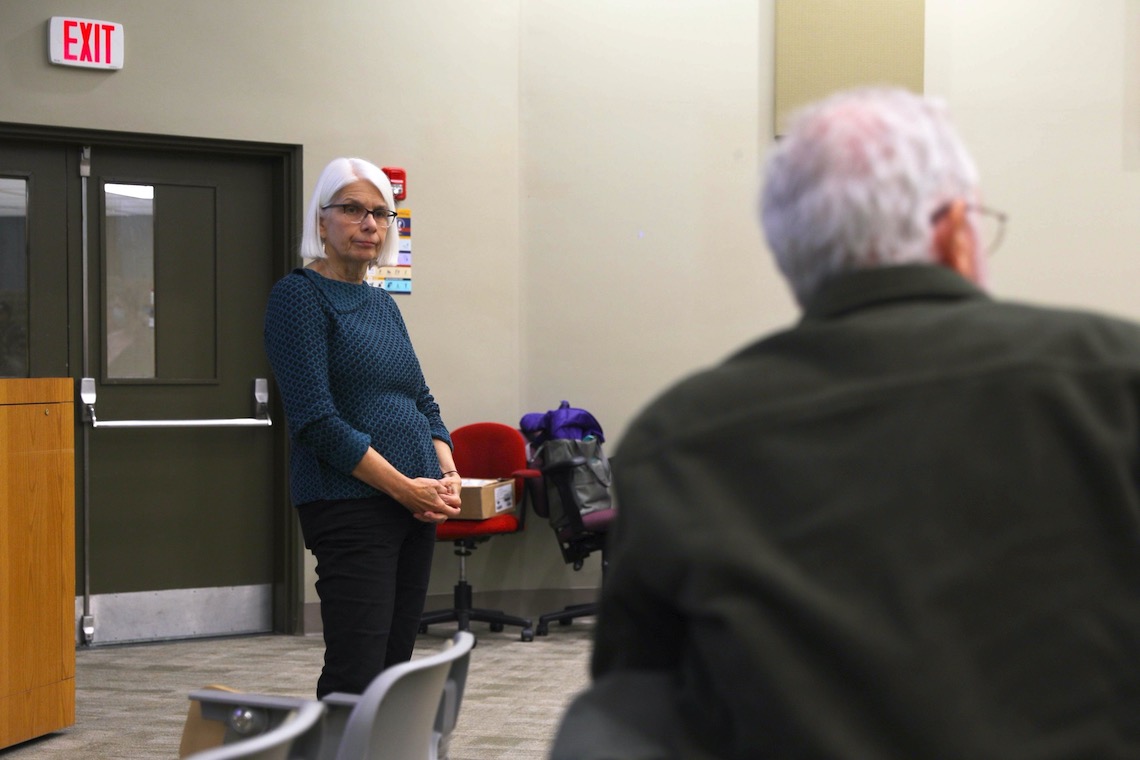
(906, 527)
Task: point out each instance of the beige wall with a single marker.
(582, 172)
(641, 127)
(1045, 93)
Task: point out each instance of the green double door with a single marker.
(142, 272)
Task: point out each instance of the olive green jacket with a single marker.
(907, 527)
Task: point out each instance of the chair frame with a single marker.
(367, 710)
(346, 717)
(297, 729)
(463, 610)
(574, 539)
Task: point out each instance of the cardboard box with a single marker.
(485, 498)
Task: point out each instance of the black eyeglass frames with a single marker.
(355, 213)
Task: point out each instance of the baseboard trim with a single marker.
(146, 616)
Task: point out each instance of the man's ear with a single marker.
(954, 244)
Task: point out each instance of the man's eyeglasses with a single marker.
(988, 223)
(355, 213)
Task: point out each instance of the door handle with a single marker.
(260, 416)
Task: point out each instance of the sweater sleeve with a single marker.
(296, 342)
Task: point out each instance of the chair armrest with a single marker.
(564, 464)
(526, 481)
(298, 737)
(244, 714)
(341, 699)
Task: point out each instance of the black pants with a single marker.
(373, 564)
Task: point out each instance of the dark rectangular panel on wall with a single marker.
(823, 46)
(186, 304)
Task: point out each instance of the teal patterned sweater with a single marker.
(349, 379)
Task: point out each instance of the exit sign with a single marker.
(85, 42)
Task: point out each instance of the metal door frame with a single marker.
(288, 568)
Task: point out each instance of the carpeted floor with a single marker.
(131, 700)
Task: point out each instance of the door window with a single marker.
(129, 295)
(160, 312)
(13, 277)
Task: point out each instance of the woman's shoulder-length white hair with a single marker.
(338, 173)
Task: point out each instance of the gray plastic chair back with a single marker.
(395, 716)
(448, 714)
(277, 744)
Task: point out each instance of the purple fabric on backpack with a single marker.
(564, 422)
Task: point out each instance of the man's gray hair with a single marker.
(854, 182)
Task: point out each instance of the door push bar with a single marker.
(260, 416)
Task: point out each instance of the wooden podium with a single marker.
(37, 557)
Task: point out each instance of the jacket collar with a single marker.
(870, 287)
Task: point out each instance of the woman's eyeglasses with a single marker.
(355, 213)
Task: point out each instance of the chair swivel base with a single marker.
(464, 613)
(565, 616)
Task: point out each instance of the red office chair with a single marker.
(484, 450)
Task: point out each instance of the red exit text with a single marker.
(86, 42)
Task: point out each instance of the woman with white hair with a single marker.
(371, 468)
